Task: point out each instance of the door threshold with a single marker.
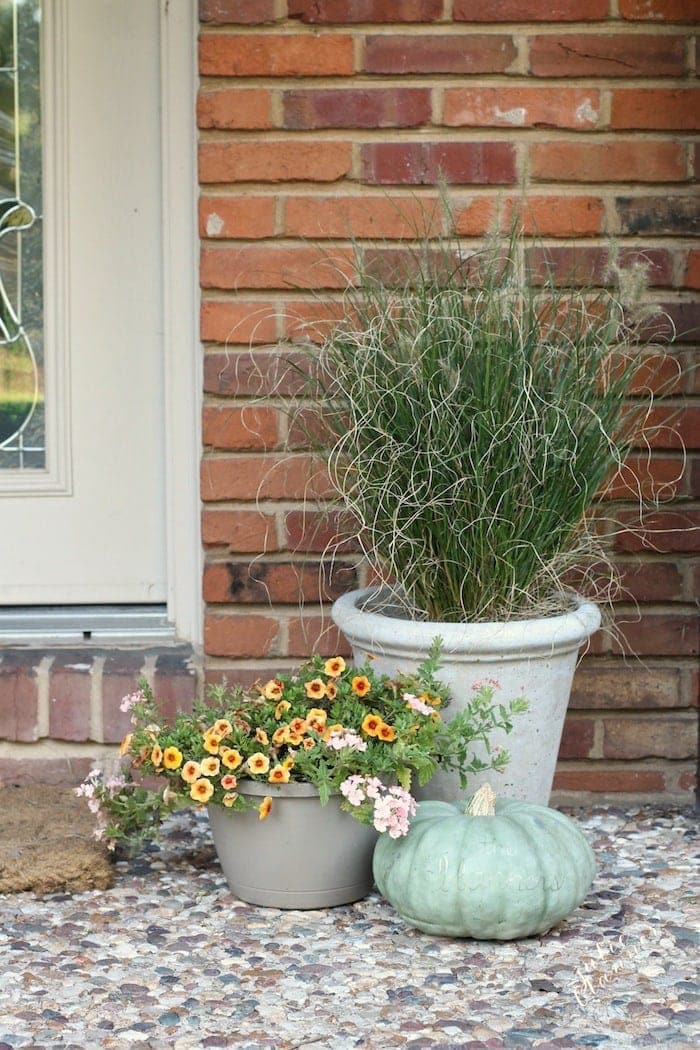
(85, 624)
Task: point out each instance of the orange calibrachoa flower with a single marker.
(280, 736)
(228, 782)
(190, 772)
(210, 766)
(289, 763)
(386, 733)
(202, 790)
(279, 775)
(172, 758)
(261, 737)
(272, 690)
(294, 738)
(308, 744)
(222, 727)
(264, 808)
(156, 755)
(211, 742)
(229, 799)
(126, 744)
(335, 666)
(335, 728)
(371, 725)
(315, 689)
(258, 763)
(331, 690)
(298, 725)
(231, 758)
(282, 707)
(317, 719)
(360, 685)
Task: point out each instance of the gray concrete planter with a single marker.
(535, 658)
(304, 855)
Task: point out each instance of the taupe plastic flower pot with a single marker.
(303, 855)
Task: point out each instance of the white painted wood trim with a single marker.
(182, 352)
(56, 479)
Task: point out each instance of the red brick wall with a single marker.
(316, 116)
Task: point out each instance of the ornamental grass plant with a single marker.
(473, 410)
(340, 728)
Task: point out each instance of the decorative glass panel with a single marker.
(22, 440)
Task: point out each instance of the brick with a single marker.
(367, 217)
(657, 478)
(692, 270)
(251, 427)
(599, 778)
(283, 583)
(242, 531)
(247, 218)
(244, 12)
(234, 108)
(659, 10)
(581, 265)
(175, 681)
(318, 532)
(656, 737)
(688, 780)
(658, 214)
(309, 321)
(255, 373)
(237, 321)
(676, 109)
(70, 684)
(651, 581)
(607, 55)
(316, 634)
(248, 636)
(663, 532)
(659, 634)
(347, 12)
(626, 686)
(263, 477)
(521, 11)
(355, 108)
(246, 677)
(273, 266)
(522, 107)
(19, 695)
(416, 163)
(120, 676)
(614, 161)
(560, 216)
(660, 373)
(273, 161)
(671, 426)
(45, 771)
(577, 738)
(439, 53)
(281, 55)
(476, 217)
(686, 320)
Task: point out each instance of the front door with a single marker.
(82, 485)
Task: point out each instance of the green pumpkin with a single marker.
(495, 872)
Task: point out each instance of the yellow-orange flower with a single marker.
(279, 775)
(315, 689)
(386, 733)
(308, 744)
(156, 755)
(210, 743)
(294, 738)
(264, 808)
(331, 690)
(298, 725)
(280, 736)
(261, 737)
(288, 763)
(172, 758)
(126, 743)
(258, 763)
(334, 666)
(360, 685)
(229, 799)
(190, 772)
(272, 690)
(371, 725)
(201, 790)
(281, 708)
(335, 728)
(223, 727)
(228, 782)
(434, 701)
(210, 766)
(317, 714)
(231, 758)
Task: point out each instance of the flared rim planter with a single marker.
(303, 855)
(534, 658)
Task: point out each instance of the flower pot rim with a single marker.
(295, 789)
(556, 633)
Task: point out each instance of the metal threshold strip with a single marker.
(80, 624)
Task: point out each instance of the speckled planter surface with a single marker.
(169, 959)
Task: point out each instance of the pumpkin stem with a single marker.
(483, 803)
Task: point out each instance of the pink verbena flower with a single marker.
(417, 705)
(131, 700)
(337, 741)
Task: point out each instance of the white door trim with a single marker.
(182, 354)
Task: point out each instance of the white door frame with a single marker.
(183, 360)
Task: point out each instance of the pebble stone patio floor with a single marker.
(168, 958)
